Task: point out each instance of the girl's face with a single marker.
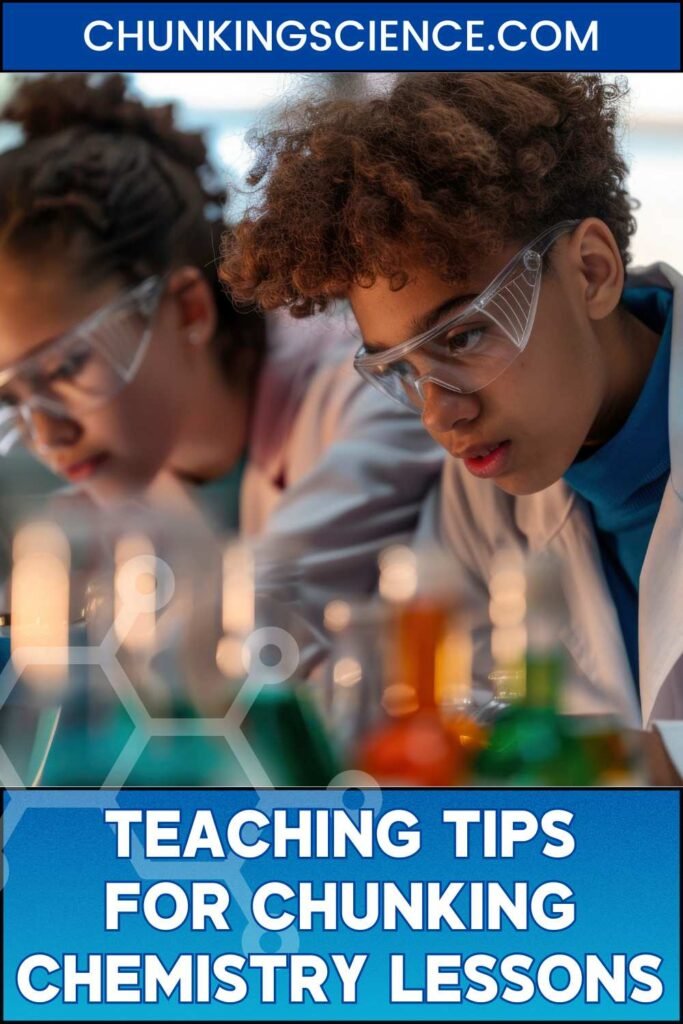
(121, 445)
(525, 428)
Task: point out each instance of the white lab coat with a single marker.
(335, 471)
(473, 518)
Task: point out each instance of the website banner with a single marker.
(348, 36)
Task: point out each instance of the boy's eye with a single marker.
(404, 368)
(68, 368)
(401, 368)
(458, 342)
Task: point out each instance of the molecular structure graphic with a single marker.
(134, 603)
(350, 789)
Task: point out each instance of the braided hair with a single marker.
(113, 186)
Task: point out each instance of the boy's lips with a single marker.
(477, 451)
(486, 460)
(79, 471)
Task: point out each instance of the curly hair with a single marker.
(443, 169)
(107, 185)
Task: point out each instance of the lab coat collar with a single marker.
(296, 349)
(552, 516)
(661, 275)
(286, 371)
(660, 637)
(540, 516)
(558, 519)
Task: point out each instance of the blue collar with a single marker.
(638, 453)
(220, 498)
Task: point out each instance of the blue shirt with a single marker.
(220, 498)
(623, 482)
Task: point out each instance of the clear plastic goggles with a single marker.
(467, 351)
(82, 369)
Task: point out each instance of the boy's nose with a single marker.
(47, 430)
(443, 409)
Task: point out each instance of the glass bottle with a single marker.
(531, 743)
(413, 745)
(138, 715)
(460, 714)
(507, 611)
(39, 639)
(616, 755)
(352, 692)
(260, 650)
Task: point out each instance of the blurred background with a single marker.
(227, 105)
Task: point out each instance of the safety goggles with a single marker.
(469, 350)
(82, 369)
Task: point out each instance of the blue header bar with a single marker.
(341, 36)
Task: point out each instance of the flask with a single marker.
(531, 743)
(260, 654)
(412, 745)
(507, 609)
(133, 717)
(352, 692)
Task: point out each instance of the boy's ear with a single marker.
(196, 304)
(596, 255)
